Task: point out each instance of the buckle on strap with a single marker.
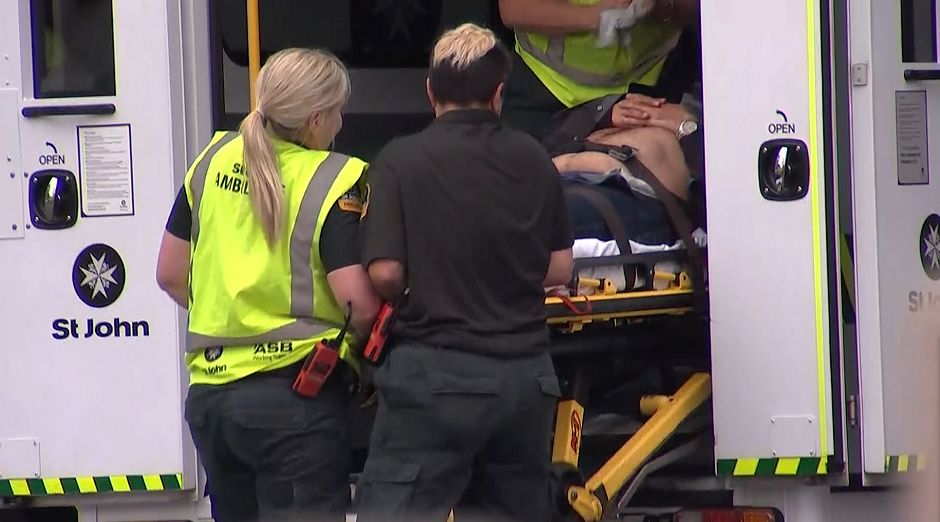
(621, 154)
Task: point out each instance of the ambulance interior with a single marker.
(633, 356)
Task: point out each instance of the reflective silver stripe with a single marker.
(303, 328)
(301, 240)
(197, 183)
(554, 58)
(301, 246)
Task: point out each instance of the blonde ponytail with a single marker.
(293, 85)
(264, 179)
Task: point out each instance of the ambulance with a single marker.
(795, 393)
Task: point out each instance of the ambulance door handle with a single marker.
(92, 109)
(920, 75)
(53, 199)
(783, 170)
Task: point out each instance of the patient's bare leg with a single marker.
(657, 148)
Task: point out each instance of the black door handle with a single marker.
(783, 170)
(94, 109)
(918, 75)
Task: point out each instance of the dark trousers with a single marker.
(270, 454)
(459, 431)
(645, 219)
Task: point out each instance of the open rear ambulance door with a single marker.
(91, 135)
(896, 176)
(770, 232)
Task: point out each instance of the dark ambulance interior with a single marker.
(383, 41)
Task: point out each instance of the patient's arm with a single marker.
(656, 148)
(560, 265)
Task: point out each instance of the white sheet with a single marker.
(588, 248)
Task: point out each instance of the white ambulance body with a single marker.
(822, 288)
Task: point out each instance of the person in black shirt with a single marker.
(470, 217)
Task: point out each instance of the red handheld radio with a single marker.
(384, 322)
(319, 365)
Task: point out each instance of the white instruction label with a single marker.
(106, 170)
(911, 107)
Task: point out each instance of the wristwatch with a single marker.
(685, 128)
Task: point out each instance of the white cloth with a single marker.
(616, 22)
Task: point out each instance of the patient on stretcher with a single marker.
(597, 175)
(643, 215)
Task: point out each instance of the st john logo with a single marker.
(212, 354)
(98, 275)
(930, 246)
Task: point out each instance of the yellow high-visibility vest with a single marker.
(252, 308)
(575, 70)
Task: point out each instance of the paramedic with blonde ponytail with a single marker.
(261, 247)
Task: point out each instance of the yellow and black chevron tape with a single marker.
(775, 467)
(905, 463)
(84, 485)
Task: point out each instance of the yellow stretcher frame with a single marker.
(666, 413)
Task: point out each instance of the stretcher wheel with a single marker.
(563, 476)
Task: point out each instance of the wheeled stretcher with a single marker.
(634, 307)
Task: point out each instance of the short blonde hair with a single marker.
(463, 45)
(468, 63)
(293, 85)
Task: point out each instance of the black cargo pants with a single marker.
(459, 431)
(270, 454)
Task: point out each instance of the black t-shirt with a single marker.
(339, 239)
(473, 210)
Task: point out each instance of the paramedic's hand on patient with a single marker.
(635, 110)
(638, 110)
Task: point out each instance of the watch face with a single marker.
(688, 127)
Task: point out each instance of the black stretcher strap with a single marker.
(608, 212)
(683, 224)
(673, 205)
(611, 219)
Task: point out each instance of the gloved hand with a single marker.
(616, 22)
